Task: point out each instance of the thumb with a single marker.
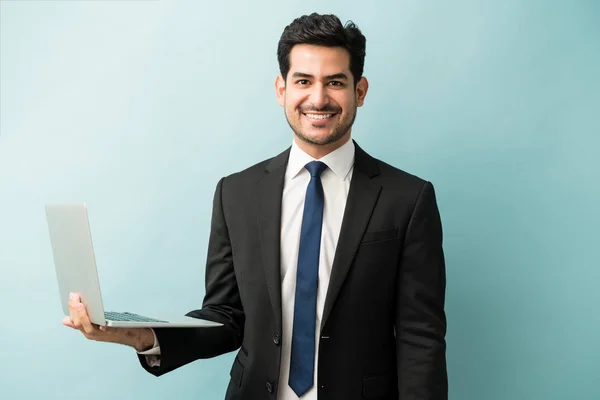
(107, 329)
(66, 321)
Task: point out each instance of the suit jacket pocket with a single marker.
(237, 372)
(379, 236)
(376, 386)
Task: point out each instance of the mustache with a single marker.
(325, 109)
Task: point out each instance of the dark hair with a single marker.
(323, 30)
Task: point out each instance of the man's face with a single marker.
(319, 96)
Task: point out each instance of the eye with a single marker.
(336, 83)
(302, 82)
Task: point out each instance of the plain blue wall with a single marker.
(140, 107)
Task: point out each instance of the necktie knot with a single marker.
(315, 168)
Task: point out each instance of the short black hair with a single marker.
(323, 30)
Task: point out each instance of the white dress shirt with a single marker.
(336, 183)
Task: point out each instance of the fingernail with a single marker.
(102, 328)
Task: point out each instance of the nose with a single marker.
(318, 97)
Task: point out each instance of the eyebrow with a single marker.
(339, 75)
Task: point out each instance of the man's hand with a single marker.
(139, 338)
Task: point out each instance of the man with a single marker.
(325, 265)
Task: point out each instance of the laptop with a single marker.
(76, 271)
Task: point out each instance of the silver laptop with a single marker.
(75, 265)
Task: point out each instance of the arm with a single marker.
(420, 315)
(180, 346)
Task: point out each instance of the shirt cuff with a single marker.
(155, 350)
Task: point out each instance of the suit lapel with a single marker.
(270, 189)
(362, 197)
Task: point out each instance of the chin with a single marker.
(320, 139)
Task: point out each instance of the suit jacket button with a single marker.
(269, 387)
(276, 339)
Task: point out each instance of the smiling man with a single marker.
(325, 265)
(320, 94)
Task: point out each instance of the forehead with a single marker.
(319, 60)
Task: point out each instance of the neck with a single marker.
(318, 151)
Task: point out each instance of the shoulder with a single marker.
(247, 178)
(389, 176)
(403, 190)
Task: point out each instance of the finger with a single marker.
(84, 320)
(76, 297)
(74, 300)
(66, 321)
(108, 330)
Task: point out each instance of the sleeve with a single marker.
(222, 303)
(155, 349)
(152, 355)
(420, 315)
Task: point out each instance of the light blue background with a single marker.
(139, 107)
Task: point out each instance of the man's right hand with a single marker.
(139, 338)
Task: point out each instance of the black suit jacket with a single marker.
(383, 326)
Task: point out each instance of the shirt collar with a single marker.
(339, 161)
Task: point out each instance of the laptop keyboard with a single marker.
(128, 317)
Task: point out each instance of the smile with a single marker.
(318, 117)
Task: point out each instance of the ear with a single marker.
(362, 87)
(280, 90)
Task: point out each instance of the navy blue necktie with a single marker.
(302, 362)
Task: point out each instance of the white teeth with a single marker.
(318, 116)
